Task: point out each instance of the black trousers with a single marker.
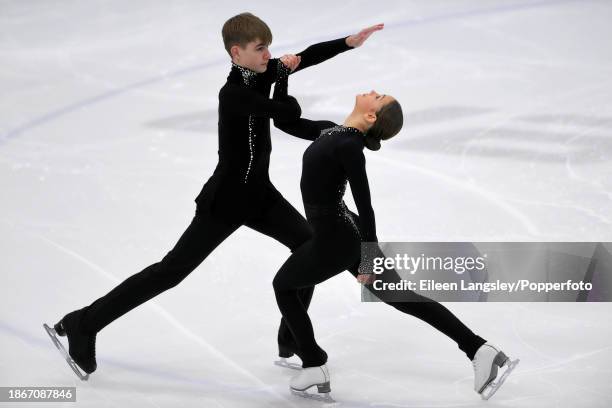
(274, 217)
(335, 247)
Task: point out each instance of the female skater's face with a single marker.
(254, 56)
(371, 102)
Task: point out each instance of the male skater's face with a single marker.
(254, 56)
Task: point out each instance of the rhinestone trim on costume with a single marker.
(341, 211)
(282, 70)
(339, 129)
(248, 77)
(251, 147)
(344, 210)
(347, 218)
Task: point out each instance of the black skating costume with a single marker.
(238, 193)
(335, 157)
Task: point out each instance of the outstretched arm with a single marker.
(317, 53)
(302, 128)
(323, 51)
(320, 52)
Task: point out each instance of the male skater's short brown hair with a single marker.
(244, 28)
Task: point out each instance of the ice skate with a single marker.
(283, 362)
(310, 377)
(81, 356)
(486, 362)
(285, 352)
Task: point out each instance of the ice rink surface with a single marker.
(108, 132)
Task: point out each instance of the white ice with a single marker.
(108, 113)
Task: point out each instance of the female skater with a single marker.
(333, 158)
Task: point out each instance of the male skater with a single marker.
(238, 193)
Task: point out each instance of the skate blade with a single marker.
(53, 334)
(495, 385)
(322, 397)
(286, 364)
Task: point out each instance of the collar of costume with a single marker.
(247, 76)
(351, 129)
(345, 129)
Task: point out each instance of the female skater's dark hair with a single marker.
(244, 28)
(389, 121)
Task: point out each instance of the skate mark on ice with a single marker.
(575, 176)
(563, 362)
(589, 212)
(488, 196)
(516, 333)
(59, 112)
(38, 344)
(174, 322)
(531, 109)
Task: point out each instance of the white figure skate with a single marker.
(282, 362)
(309, 377)
(486, 362)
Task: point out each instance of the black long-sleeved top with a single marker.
(334, 157)
(245, 108)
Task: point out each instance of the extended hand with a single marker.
(356, 40)
(291, 61)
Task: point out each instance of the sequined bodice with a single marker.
(324, 179)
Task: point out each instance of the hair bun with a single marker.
(372, 142)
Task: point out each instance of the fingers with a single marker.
(373, 28)
(291, 61)
(294, 61)
(364, 34)
(285, 60)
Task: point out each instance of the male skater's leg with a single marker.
(199, 239)
(281, 221)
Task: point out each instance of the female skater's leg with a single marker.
(320, 258)
(303, 269)
(428, 310)
(281, 221)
